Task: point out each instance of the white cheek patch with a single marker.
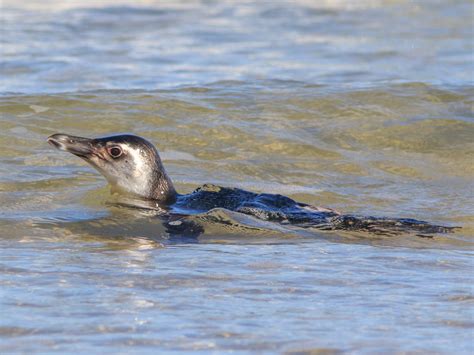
(139, 175)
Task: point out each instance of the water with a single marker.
(365, 107)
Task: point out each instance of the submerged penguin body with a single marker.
(133, 166)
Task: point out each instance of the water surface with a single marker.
(365, 107)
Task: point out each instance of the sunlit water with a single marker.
(365, 107)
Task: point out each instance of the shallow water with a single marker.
(359, 106)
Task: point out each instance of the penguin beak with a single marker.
(79, 146)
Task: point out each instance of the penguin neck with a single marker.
(162, 189)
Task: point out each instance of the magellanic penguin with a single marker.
(132, 166)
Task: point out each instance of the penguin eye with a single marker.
(115, 152)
